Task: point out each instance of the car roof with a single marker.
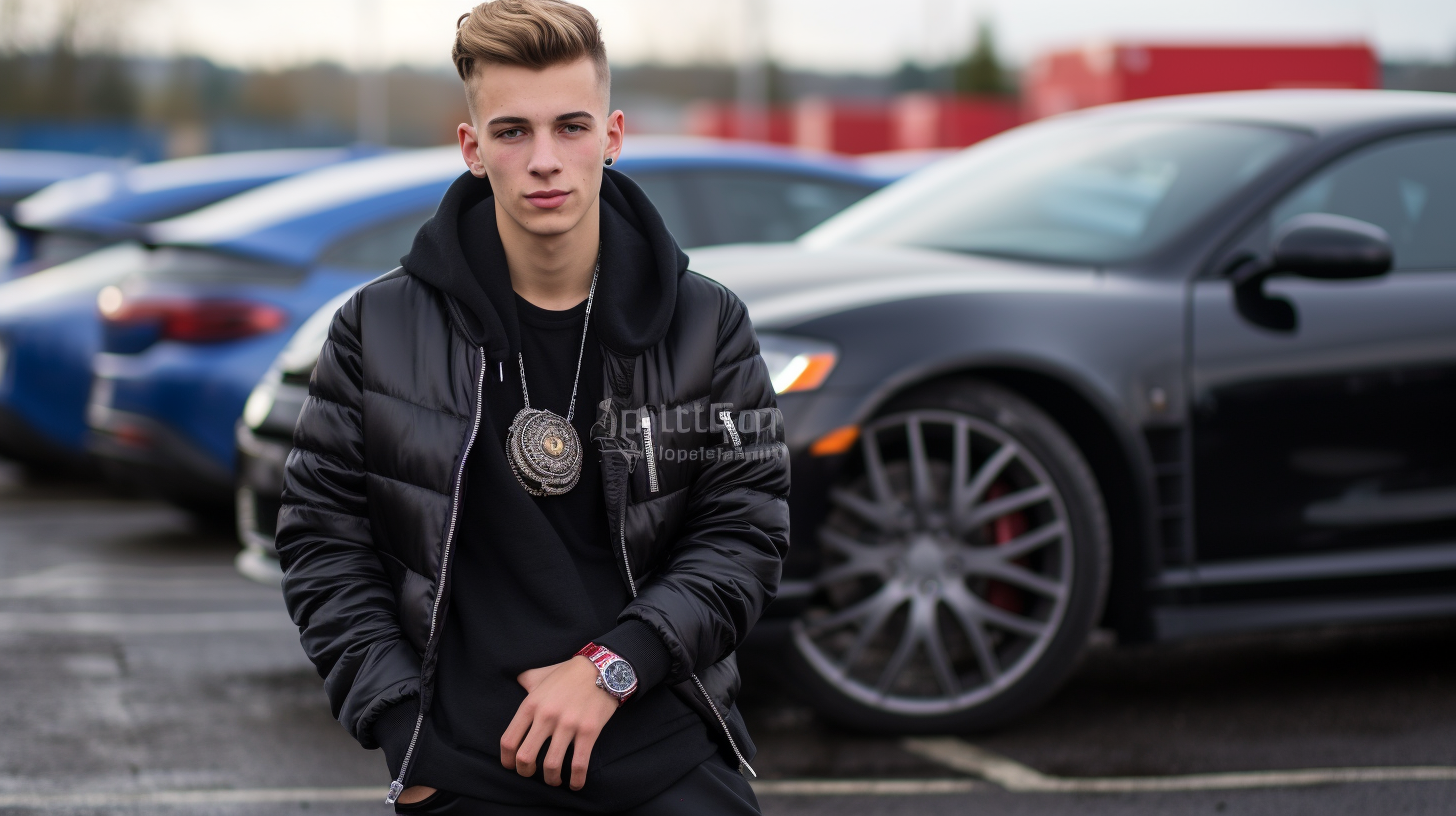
(112, 203)
(295, 219)
(22, 172)
(1321, 111)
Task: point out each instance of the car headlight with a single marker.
(796, 363)
(260, 402)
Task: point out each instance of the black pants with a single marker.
(711, 789)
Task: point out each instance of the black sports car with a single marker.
(1170, 367)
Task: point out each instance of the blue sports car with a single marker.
(184, 346)
(81, 232)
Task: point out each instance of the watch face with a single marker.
(619, 676)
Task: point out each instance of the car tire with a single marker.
(948, 609)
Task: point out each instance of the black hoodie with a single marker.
(535, 578)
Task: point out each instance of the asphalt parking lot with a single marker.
(142, 675)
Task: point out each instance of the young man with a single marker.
(537, 494)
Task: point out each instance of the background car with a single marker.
(1171, 368)
(49, 329)
(163, 409)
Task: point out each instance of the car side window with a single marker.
(1406, 186)
(749, 207)
(377, 247)
(664, 190)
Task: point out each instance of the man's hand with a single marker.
(563, 704)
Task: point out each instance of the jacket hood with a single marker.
(636, 288)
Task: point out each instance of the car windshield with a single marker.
(1066, 192)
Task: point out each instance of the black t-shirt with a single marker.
(533, 580)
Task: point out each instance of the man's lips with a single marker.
(547, 199)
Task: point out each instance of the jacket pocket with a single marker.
(675, 443)
(414, 595)
(651, 526)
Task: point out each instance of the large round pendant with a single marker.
(545, 452)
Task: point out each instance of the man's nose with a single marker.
(544, 161)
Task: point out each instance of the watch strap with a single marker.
(601, 656)
(598, 655)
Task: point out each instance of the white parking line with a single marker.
(244, 796)
(950, 752)
(106, 623)
(862, 787)
(1013, 776)
(255, 796)
(92, 581)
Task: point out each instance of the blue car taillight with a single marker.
(132, 325)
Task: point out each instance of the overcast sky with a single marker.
(869, 35)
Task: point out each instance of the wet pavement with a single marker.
(142, 675)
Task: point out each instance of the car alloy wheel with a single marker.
(950, 565)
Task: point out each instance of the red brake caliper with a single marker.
(1003, 530)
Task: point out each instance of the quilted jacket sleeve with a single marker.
(725, 567)
(334, 584)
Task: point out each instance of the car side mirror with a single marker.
(1322, 246)
(1331, 247)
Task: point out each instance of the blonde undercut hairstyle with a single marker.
(529, 33)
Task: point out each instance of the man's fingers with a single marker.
(581, 756)
(531, 746)
(515, 732)
(556, 754)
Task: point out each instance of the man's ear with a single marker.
(616, 129)
(470, 149)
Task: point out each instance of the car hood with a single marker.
(787, 284)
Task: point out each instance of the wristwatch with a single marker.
(614, 675)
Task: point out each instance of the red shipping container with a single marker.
(843, 126)
(1116, 72)
(721, 120)
(924, 121)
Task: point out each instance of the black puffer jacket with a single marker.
(373, 485)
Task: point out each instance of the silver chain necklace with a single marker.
(544, 449)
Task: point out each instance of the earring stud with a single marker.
(608, 162)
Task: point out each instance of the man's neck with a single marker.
(551, 271)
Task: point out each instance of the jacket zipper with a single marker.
(726, 417)
(632, 585)
(397, 786)
(651, 454)
(742, 763)
(622, 536)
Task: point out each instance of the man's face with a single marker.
(541, 138)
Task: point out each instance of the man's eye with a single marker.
(511, 134)
(573, 128)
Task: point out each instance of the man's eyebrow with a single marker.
(521, 120)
